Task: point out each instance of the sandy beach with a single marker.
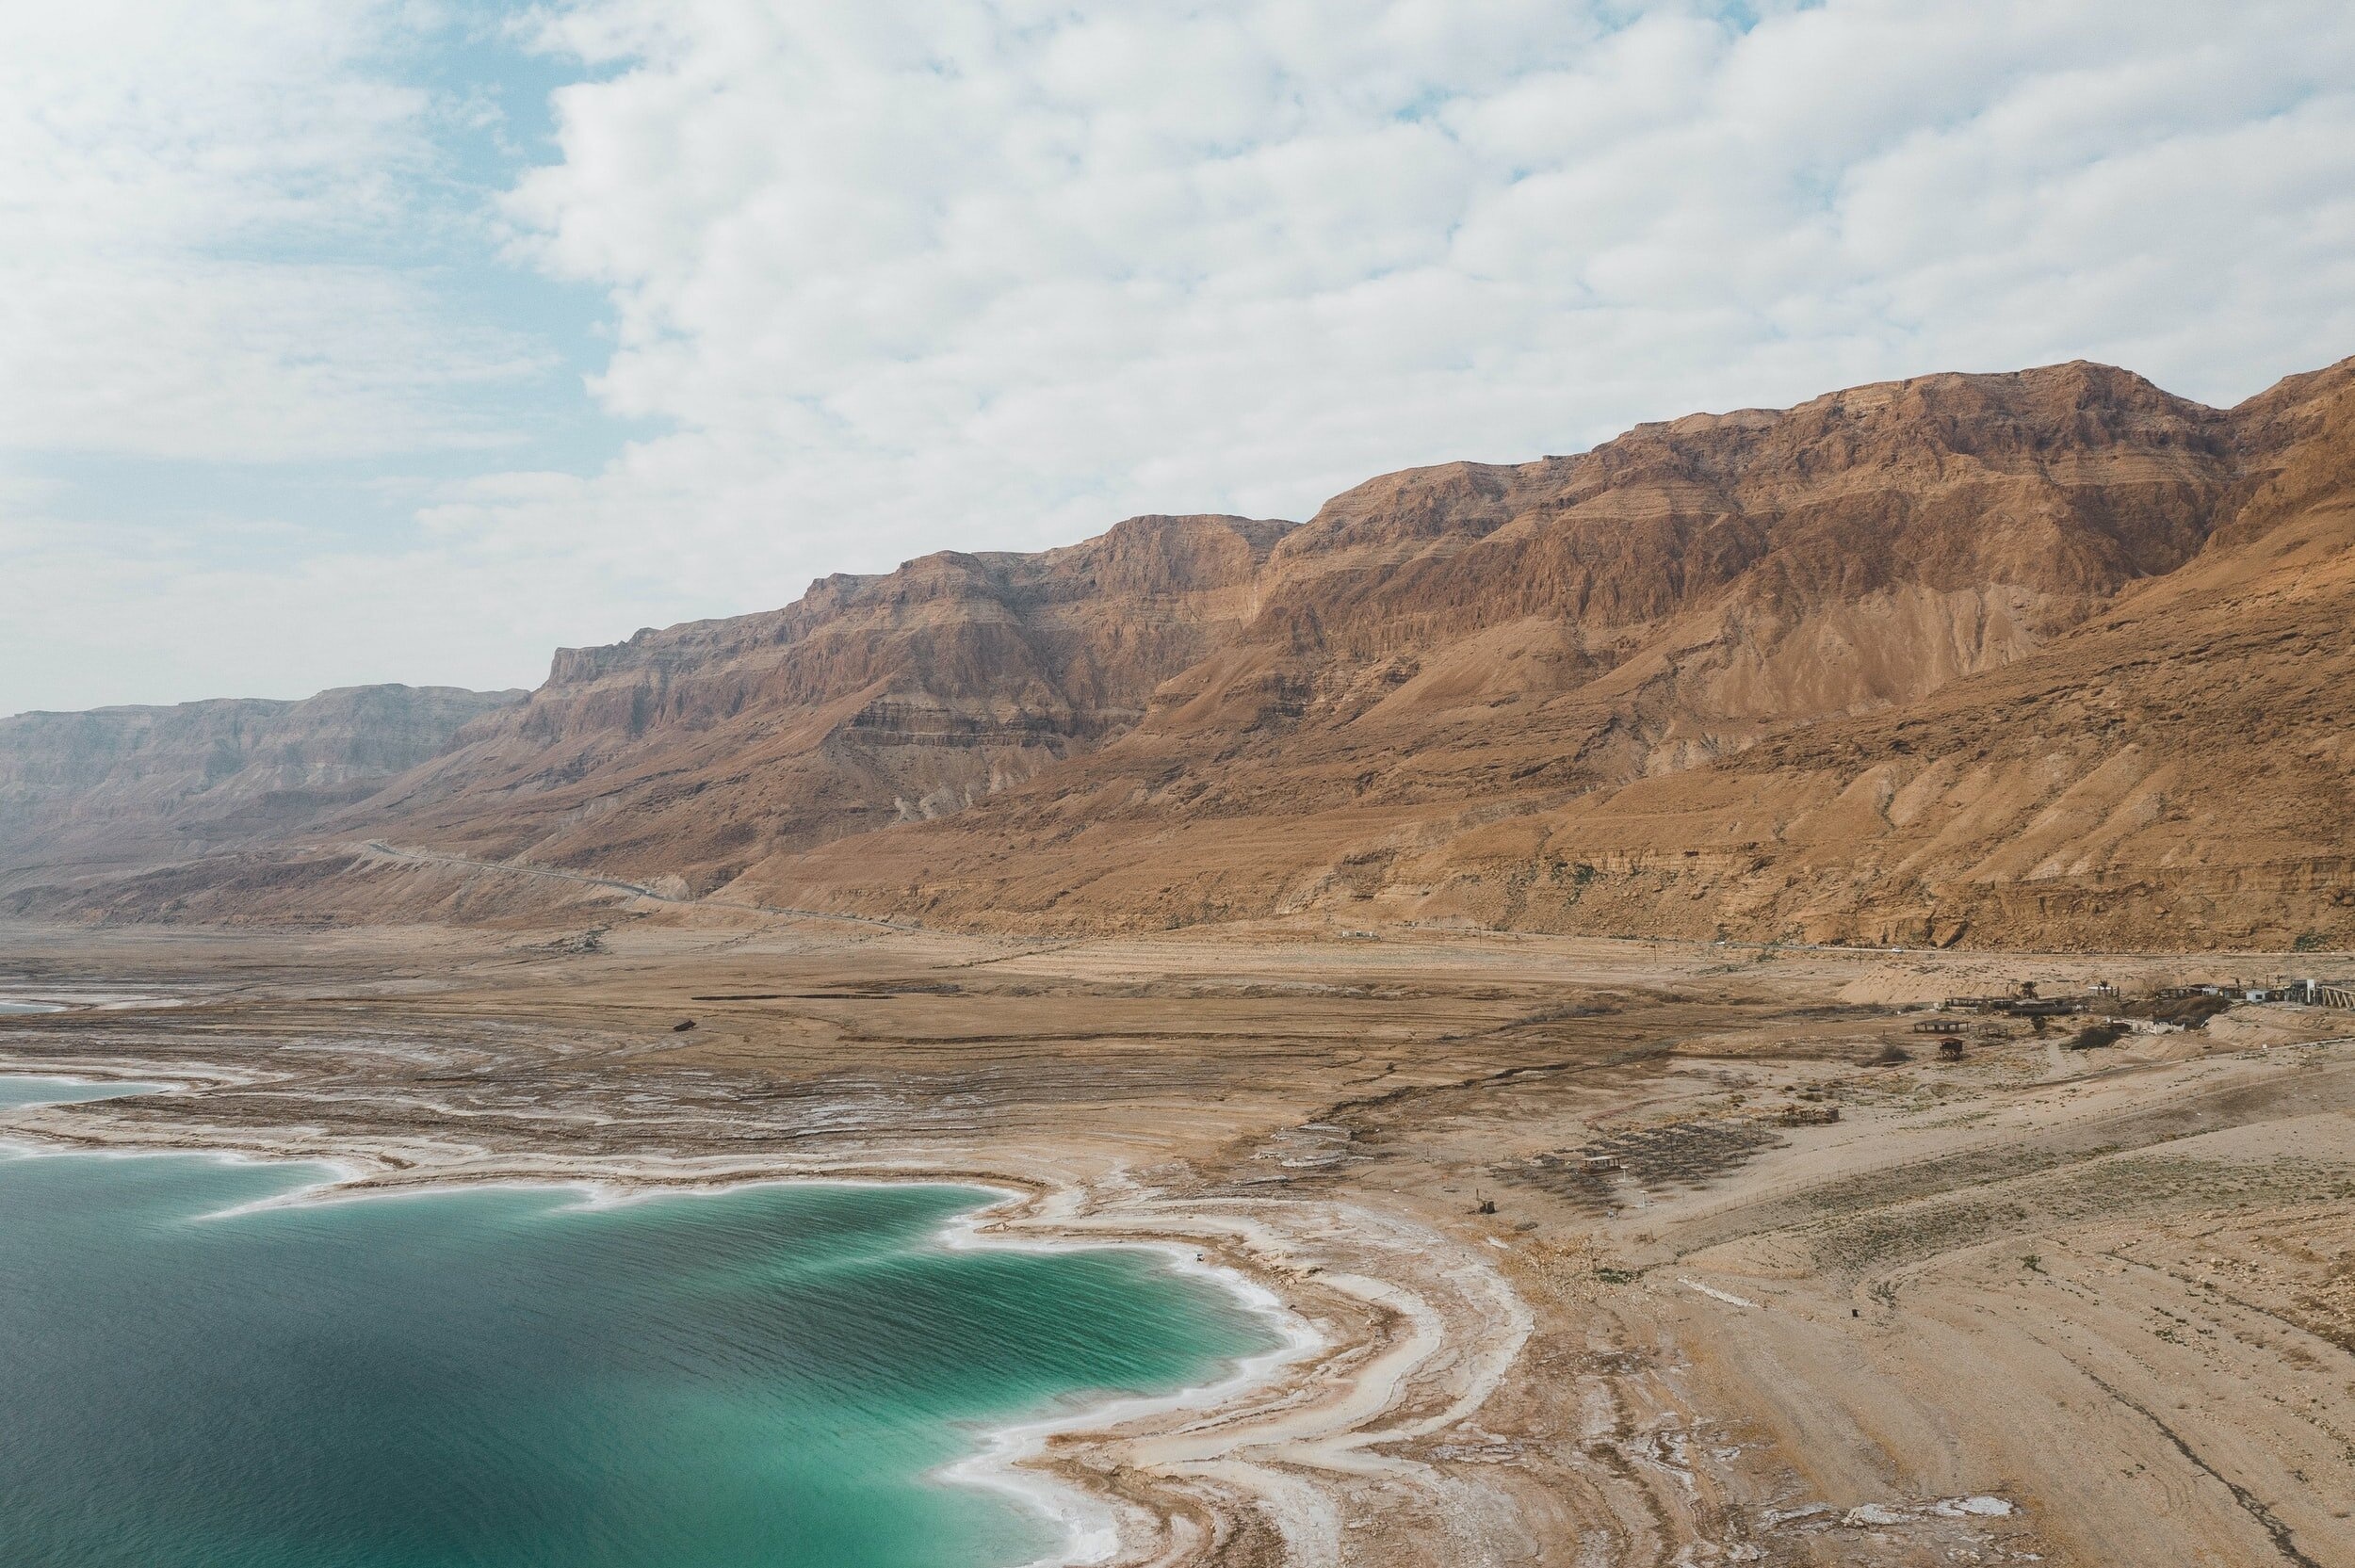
(1579, 1267)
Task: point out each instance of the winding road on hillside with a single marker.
(381, 850)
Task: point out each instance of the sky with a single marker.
(347, 341)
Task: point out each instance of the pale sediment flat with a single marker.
(1584, 1274)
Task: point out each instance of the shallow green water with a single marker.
(48, 1092)
(504, 1377)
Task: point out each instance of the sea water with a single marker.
(193, 1372)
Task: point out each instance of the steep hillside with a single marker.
(2186, 761)
(1468, 682)
(1678, 592)
(133, 786)
(689, 753)
(2045, 656)
(1464, 633)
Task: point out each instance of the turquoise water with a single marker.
(502, 1377)
(50, 1091)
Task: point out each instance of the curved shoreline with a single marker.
(1332, 1121)
(1009, 1460)
(1070, 1465)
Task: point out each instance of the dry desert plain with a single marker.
(1595, 1279)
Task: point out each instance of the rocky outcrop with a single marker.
(698, 750)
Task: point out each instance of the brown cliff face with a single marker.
(1678, 593)
(2184, 761)
(1461, 674)
(133, 786)
(2048, 656)
(693, 752)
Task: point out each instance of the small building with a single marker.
(2045, 1007)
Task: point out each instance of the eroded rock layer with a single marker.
(2052, 656)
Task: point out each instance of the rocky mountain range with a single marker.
(132, 786)
(2051, 657)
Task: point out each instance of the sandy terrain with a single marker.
(1594, 1277)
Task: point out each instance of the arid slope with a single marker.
(2048, 658)
(2051, 656)
(687, 753)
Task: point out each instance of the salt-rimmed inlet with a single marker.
(20, 1090)
(779, 1374)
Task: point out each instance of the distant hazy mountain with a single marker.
(135, 785)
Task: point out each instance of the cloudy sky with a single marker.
(345, 341)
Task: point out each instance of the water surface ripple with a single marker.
(496, 1377)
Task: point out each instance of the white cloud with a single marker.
(217, 223)
(199, 202)
(959, 273)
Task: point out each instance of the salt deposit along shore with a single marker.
(1579, 1268)
(1091, 1468)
